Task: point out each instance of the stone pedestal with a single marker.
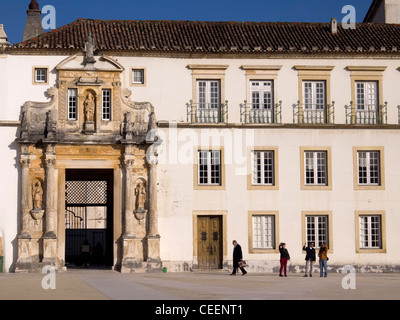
(49, 251)
(89, 128)
(132, 251)
(153, 248)
(37, 215)
(24, 262)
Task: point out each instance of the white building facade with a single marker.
(262, 139)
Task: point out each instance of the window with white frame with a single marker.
(369, 168)
(370, 231)
(367, 95)
(366, 101)
(263, 167)
(314, 101)
(208, 94)
(314, 95)
(138, 76)
(40, 75)
(262, 94)
(209, 167)
(263, 231)
(72, 104)
(106, 104)
(317, 230)
(315, 168)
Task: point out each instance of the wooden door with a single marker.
(209, 242)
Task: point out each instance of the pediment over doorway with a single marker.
(88, 105)
(102, 63)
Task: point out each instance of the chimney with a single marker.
(33, 26)
(334, 27)
(3, 37)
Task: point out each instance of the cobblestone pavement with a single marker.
(111, 285)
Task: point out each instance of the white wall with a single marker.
(169, 88)
(178, 200)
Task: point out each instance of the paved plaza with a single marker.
(89, 284)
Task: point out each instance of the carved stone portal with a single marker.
(59, 129)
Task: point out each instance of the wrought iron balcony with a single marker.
(314, 113)
(366, 114)
(258, 113)
(207, 112)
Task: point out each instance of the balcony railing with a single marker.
(251, 113)
(366, 114)
(207, 112)
(314, 114)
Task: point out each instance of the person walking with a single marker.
(323, 260)
(285, 257)
(237, 256)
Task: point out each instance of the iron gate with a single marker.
(88, 218)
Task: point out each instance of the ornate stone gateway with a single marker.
(89, 123)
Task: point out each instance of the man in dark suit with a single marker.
(310, 257)
(237, 256)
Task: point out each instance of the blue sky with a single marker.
(13, 12)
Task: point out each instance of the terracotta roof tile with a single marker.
(218, 37)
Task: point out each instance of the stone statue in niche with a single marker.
(89, 107)
(37, 197)
(141, 197)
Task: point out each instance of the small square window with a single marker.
(138, 76)
(40, 75)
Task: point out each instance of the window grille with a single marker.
(263, 232)
(263, 168)
(209, 167)
(72, 104)
(370, 232)
(316, 168)
(106, 104)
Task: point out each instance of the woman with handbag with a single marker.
(323, 260)
(285, 257)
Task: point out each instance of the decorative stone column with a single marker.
(50, 237)
(24, 261)
(153, 238)
(130, 243)
(25, 208)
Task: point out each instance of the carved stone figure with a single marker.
(139, 108)
(89, 107)
(89, 49)
(51, 124)
(52, 92)
(128, 126)
(141, 196)
(37, 194)
(35, 115)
